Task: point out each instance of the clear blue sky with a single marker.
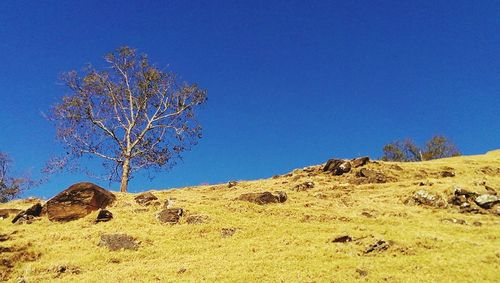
(290, 83)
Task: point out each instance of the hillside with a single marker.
(222, 239)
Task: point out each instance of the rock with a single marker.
(29, 214)
(361, 272)
(232, 184)
(104, 216)
(264, 197)
(372, 176)
(77, 201)
(170, 216)
(145, 199)
(454, 221)
(490, 190)
(380, 245)
(360, 161)
(116, 242)
(445, 174)
(463, 192)
(342, 239)
(486, 201)
(423, 197)
(227, 232)
(337, 166)
(5, 212)
(304, 186)
(197, 219)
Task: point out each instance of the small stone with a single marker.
(455, 221)
(423, 197)
(232, 184)
(380, 245)
(342, 239)
(446, 174)
(361, 272)
(490, 190)
(477, 223)
(170, 216)
(181, 270)
(145, 199)
(116, 242)
(104, 216)
(197, 219)
(304, 186)
(264, 197)
(227, 232)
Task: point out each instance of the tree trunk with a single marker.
(125, 175)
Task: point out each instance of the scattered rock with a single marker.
(360, 161)
(146, 199)
(422, 197)
(342, 239)
(4, 237)
(5, 212)
(227, 232)
(396, 167)
(463, 192)
(232, 184)
(116, 242)
(181, 270)
(446, 174)
(104, 216)
(380, 245)
(264, 197)
(170, 216)
(490, 190)
(77, 201)
(367, 214)
(477, 223)
(371, 176)
(362, 272)
(486, 201)
(197, 219)
(304, 186)
(65, 269)
(337, 166)
(28, 215)
(454, 221)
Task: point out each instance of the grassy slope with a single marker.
(289, 242)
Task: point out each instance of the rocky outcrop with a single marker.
(77, 201)
(473, 202)
(264, 197)
(360, 161)
(337, 166)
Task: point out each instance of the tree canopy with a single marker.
(131, 114)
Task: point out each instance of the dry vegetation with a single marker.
(286, 242)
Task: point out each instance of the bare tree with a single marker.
(10, 187)
(408, 151)
(132, 115)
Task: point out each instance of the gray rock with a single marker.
(264, 197)
(423, 197)
(486, 201)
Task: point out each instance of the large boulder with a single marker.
(78, 201)
(264, 197)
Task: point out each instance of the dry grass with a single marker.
(289, 242)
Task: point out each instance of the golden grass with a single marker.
(289, 242)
